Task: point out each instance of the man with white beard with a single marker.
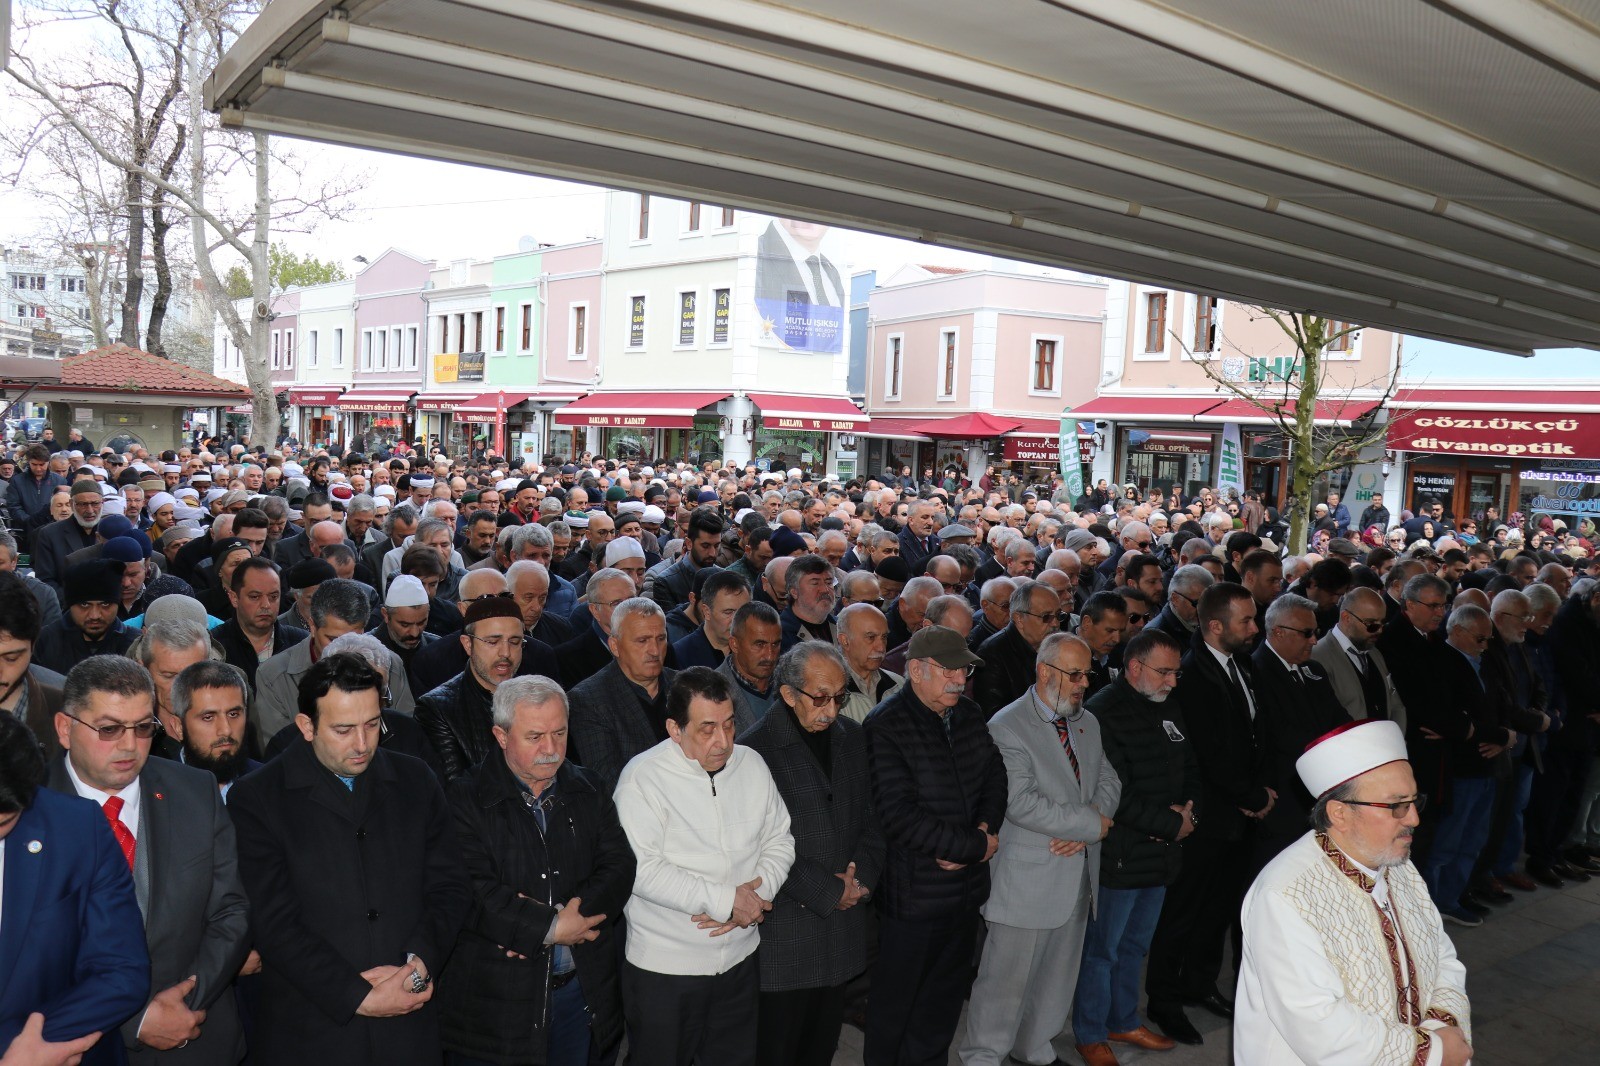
(1345, 957)
(1145, 739)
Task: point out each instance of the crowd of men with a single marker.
(401, 760)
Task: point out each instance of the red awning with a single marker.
(974, 426)
(638, 410)
(1214, 409)
(441, 401)
(828, 414)
(492, 403)
(893, 429)
(327, 396)
(385, 401)
(1038, 427)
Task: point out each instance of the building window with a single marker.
(1155, 322)
(338, 347)
(276, 342)
(636, 322)
(74, 285)
(443, 343)
(288, 349)
(383, 349)
(499, 329)
(1345, 343)
(477, 331)
(643, 233)
(891, 383)
(694, 216)
(1205, 323)
(411, 347)
(579, 332)
(1044, 364)
(366, 349)
(311, 356)
(947, 364)
(527, 327)
(727, 216)
(33, 282)
(461, 333)
(721, 311)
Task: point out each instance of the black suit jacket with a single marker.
(51, 546)
(238, 650)
(1006, 673)
(196, 917)
(342, 880)
(1224, 741)
(1289, 715)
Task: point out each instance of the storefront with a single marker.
(491, 420)
(313, 415)
(1517, 450)
(887, 444)
(804, 431)
(1034, 452)
(436, 418)
(375, 419)
(638, 426)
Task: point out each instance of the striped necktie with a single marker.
(1064, 731)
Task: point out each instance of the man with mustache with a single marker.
(456, 716)
(208, 698)
(1345, 955)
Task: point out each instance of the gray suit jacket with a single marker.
(196, 914)
(1347, 682)
(1033, 889)
(278, 690)
(608, 727)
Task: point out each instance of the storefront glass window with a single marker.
(788, 449)
(1568, 490)
(1152, 459)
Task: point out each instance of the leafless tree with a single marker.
(1289, 400)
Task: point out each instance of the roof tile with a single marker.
(117, 367)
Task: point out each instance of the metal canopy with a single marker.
(1421, 165)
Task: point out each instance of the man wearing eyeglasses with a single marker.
(1008, 656)
(939, 784)
(457, 716)
(1296, 706)
(1061, 798)
(1345, 958)
(1355, 667)
(169, 822)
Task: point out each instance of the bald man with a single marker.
(1350, 657)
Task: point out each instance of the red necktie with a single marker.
(1064, 731)
(125, 841)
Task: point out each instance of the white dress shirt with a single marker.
(130, 799)
(1226, 661)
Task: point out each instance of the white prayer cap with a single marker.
(647, 471)
(795, 472)
(1348, 752)
(172, 468)
(653, 515)
(113, 505)
(293, 470)
(187, 514)
(623, 548)
(215, 494)
(406, 591)
(199, 476)
(186, 492)
(386, 491)
(74, 454)
(508, 484)
(739, 517)
(422, 481)
(631, 506)
(158, 501)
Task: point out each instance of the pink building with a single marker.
(570, 362)
(944, 345)
(389, 318)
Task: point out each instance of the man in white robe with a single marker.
(1346, 962)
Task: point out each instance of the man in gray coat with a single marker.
(1355, 667)
(1061, 796)
(169, 821)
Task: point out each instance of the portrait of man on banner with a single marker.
(800, 290)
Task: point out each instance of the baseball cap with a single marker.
(944, 646)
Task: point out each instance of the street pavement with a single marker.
(1533, 975)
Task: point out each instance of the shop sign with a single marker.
(1167, 446)
(686, 318)
(1563, 492)
(373, 406)
(819, 425)
(1275, 370)
(469, 366)
(1366, 481)
(1441, 485)
(719, 316)
(314, 399)
(1031, 450)
(1504, 433)
(636, 323)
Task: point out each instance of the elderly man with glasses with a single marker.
(939, 784)
(1061, 798)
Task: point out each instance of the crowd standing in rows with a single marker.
(401, 757)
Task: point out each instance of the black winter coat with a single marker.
(1290, 714)
(494, 1007)
(1006, 673)
(931, 794)
(341, 881)
(1158, 769)
(458, 718)
(1223, 735)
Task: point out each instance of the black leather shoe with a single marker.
(1214, 1002)
(1569, 872)
(1545, 875)
(1175, 1024)
(1470, 901)
(1578, 859)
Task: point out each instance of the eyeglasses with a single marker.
(1305, 634)
(1372, 625)
(965, 671)
(1398, 809)
(1143, 545)
(1172, 672)
(822, 699)
(1044, 616)
(112, 733)
(1190, 600)
(485, 596)
(1074, 676)
(1132, 618)
(495, 642)
(1525, 618)
(952, 587)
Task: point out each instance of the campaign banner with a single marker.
(801, 287)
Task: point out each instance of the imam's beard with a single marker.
(224, 768)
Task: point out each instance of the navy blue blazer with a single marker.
(71, 935)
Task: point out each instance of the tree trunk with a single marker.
(263, 406)
(133, 281)
(159, 225)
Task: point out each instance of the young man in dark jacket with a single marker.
(550, 869)
(1145, 738)
(939, 786)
